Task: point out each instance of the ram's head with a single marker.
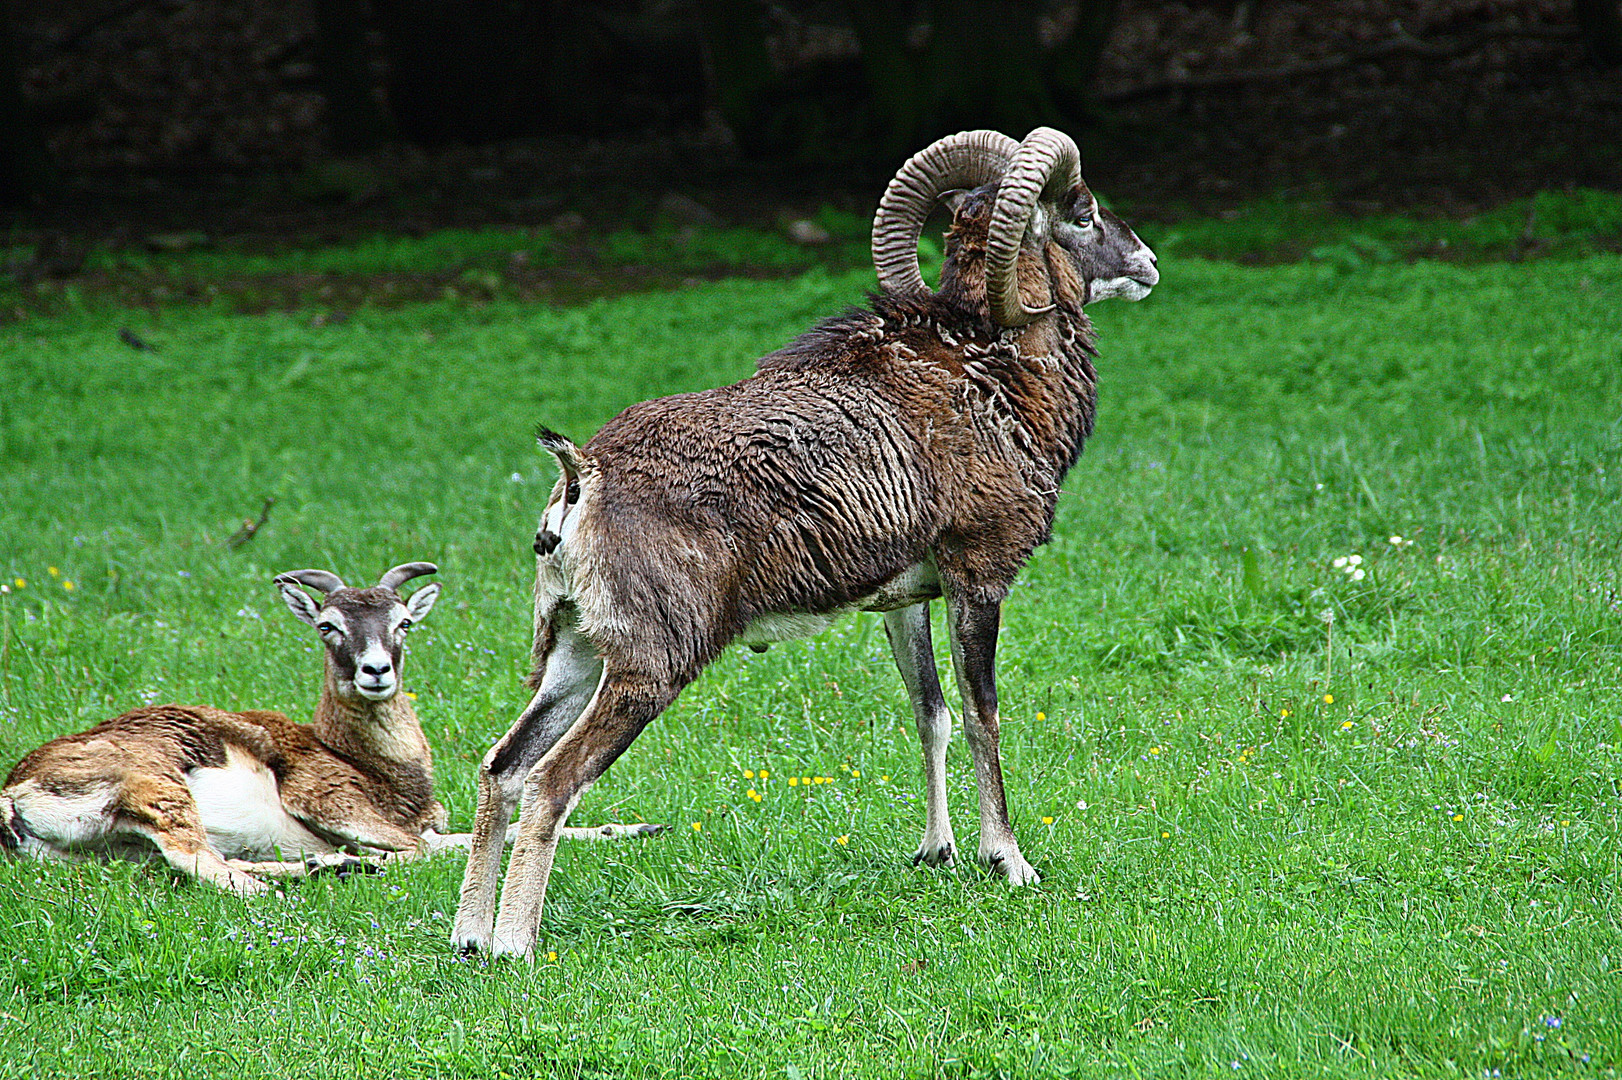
(1016, 208)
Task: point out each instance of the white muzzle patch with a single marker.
(379, 683)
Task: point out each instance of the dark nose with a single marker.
(377, 669)
(546, 542)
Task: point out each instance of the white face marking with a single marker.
(331, 625)
(375, 676)
(1124, 287)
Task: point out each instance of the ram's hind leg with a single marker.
(624, 704)
(914, 651)
(570, 678)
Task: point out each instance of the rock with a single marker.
(685, 211)
(806, 231)
(567, 222)
(177, 241)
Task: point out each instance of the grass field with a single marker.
(1296, 816)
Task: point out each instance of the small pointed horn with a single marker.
(324, 580)
(403, 573)
(1046, 165)
(967, 159)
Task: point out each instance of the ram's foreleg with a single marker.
(974, 648)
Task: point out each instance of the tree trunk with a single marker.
(1601, 23)
(27, 175)
(355, 119)
(980, 66)
(1073, 64)
(737, 67)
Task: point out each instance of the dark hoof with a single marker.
(342, 868)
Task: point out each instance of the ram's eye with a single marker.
(1085, 221)
(405, 624)
(571, 494)
(325, 628)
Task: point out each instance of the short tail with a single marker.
(12, 826)
(570, 458)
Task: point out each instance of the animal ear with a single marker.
(304, 609)
(954, 199)
(421, 602)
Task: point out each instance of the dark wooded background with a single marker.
(237, 113)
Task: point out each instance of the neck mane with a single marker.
(1041, 373)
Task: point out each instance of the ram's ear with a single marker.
(421, 602)
(954, 199)
(304, 609)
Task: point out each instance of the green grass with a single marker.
(1552, 223)
(1241, 877)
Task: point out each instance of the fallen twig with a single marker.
(250, 528)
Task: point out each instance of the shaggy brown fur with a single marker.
(884, 458)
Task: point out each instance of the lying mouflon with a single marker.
(216, 794)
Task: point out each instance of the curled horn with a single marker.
(324, 580)
(967, 159)
(403, 573)
(1046, 165)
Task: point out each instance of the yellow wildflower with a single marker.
(856, 774)
(843, 841)
(1284, 714)
(806, 780)
(1329, 699)
(753, 794)
(1345, 724)
(1047, 821)
(68, 585)
(698, 826)
(1165, 836)
(1041, 715)
(1458, 817)
(53, 571)
(794, 781)
(749, 774)
(551, 958)
(410, 695)
(20, 583)
(764, 774)
(885, 779)
(1155, 750)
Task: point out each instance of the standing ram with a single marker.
(885, 458)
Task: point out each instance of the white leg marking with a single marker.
(908, 631)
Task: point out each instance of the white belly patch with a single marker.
(914, 585)
(242, 812)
